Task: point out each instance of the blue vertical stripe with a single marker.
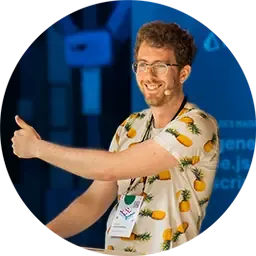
(118, 20)
(66, 26)
(58, 71)
(58, 101)
(91, 91)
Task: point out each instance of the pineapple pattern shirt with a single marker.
(175, 200)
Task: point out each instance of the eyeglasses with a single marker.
(159, 69)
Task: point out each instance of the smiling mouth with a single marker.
(153, 87)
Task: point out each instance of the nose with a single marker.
(149, 71)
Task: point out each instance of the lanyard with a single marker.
(146, 137)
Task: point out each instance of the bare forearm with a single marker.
(76, 218)
(87, 163)
(85, 210)
(71, 222)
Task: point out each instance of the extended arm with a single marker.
(85, 210)
(145, 159)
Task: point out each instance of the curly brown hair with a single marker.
(168, 35)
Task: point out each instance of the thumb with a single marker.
(21, 123)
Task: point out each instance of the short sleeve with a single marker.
(190, 135)
(114, 145)
(193, 140)
(115, 142)
(119, 137)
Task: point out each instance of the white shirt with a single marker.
(176, 200)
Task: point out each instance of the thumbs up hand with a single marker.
(24, 141)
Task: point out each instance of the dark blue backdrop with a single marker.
(75, 85)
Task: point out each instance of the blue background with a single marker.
(75, 85)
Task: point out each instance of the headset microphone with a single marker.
(167, 92)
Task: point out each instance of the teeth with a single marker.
(152, 87)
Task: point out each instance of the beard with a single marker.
(156, 100)
(159, 98)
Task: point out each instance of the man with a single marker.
(166, 155)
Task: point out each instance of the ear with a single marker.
(184, 73)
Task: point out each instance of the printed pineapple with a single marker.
(147, 197)
(133, 115)
(184, 204)
(199, 183)
(137, 115)
(208, 146)
(164, 175)
(187, 120)
(167, 236)
(140, 237)
(178, 194)
(191, 125)
(143, 179)
(218, 133)
(117, 138)
(129, 249)
(155, 215)
(182, 227)
(124, 122)
(180, 230)
(186, 161)
(141, 116)
(203, 201)
(194, 129)
(185, 110)
(131, 132)
(133, 144)
(184, 140)
(203, 115)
